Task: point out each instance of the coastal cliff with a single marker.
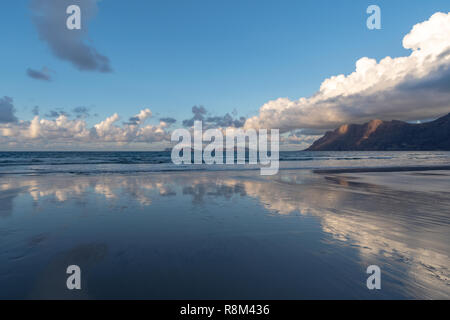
(378, 135)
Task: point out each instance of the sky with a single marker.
(139, 69)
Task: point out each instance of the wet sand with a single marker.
(226, 235)
(384, 169)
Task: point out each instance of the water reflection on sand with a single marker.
(345, 222)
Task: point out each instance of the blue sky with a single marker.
(225, 55)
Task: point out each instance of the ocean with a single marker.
(160, 161)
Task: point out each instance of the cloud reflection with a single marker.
(381, 222)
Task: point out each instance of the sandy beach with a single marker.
(226, 235)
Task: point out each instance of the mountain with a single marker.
(378, 135)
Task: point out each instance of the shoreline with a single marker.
(382, 169)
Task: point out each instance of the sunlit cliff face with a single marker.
(376, 220)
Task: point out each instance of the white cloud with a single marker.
(406, 88)
(76, 132)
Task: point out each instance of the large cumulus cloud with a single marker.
(49, 17)
(406, 88)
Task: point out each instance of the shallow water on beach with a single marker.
(226, 235)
